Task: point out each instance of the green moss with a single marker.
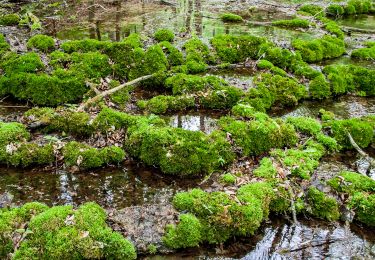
(326, 115)
(316, 50)
(228, 178)
(361, 130)
(306, 125)
(231, 18)
(12, 223)
(222, 217)
(364, 207)
(256, 137)
(88, 45)
(364, 53)
(351, 182)
(93, 65)
(9, 19)
(28, 154)
(41, 42)
(197, 56)
(234, 49)
(164, 35)
(284, 91)
(340, 78)
(311, 9)
(174, 56)
(319, 88)
(43, 89)
(335, 10)
(301, 161)
(293, 23)
(187, 233)
(179, 151)
(11, 133)
(86, 157)
(63, 233)
(28, 63)
(281, 202)
(322, 206)
(328, 142)
(358, 7)
(265, 169)
(162, 104)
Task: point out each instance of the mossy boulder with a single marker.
(198, 56)
(63, 233)
(351, 182)
(293, 23)
(231, 18)
(164, 35)
(11, 133)
(360, 129)
(319, 88)
(234, 49)
(364, 206)
(258, 136)
(87, 157)
(179, 151)
(9, 19)
(316, 50)
(41, 42)
(321, 205)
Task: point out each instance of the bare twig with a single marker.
(111, 91)
(360, 151)
(93, 88)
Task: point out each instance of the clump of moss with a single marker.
(228, 178)
(258, 136)
(293, 23)
(351, 182)
(11, 133)
(322, 206)
(88, 45)
(364, 207)
(311, 9)
(335, 10)
(301, 161)
(27, 63)
(316, 50)
(222, 217)
(266, 169)
(164, 35)
(231, 18)
(162, 104)
(179, 151)
(87, 157)
(11, 224)
(41, 42)
(319, 88)
(306, 125)
(61, 232)
(9, 19)
(332, 27)
(234, 49)
(358, 7)
(198, 56)
(360, 129)
(187, 233)
(367, 53)
(27, 154)
(174, 56)
(93, 65)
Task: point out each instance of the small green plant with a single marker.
(41, 42)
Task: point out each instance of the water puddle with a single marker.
(358, 21)
(195, 122)
(111, 188)
(346, 60)
(343, 107)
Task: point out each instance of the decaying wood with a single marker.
(360, 30)
(111, 91)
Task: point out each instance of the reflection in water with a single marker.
(116, 188)
(201, 122)
(117, 19)
(358, 21)
(343, 107)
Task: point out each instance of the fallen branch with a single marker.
(360, 151)
(93, 88)
(293, 207)
(111, 91)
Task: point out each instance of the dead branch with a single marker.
(360, 30)
(111, 91)
(360, 151)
